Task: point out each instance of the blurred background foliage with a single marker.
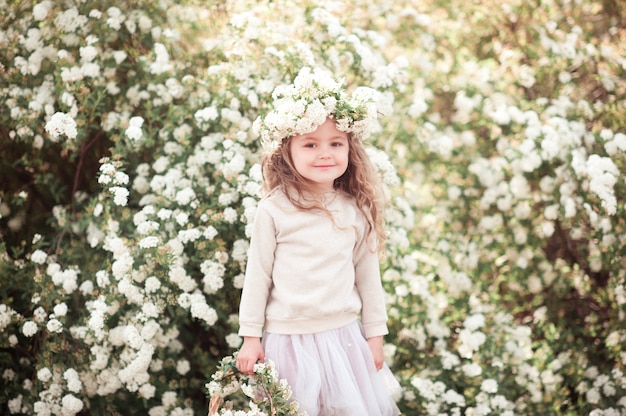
(506, 255)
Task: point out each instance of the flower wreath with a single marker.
(304, 105)
(269, 395)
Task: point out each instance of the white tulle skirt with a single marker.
(333, 373)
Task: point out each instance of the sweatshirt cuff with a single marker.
(375, 330)
(250, 330)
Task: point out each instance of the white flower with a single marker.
(54, 325)
(234, 166)
(164, 213)
(115, 19)
(489, 386)
(150, 241)
(120, 195)
(452, 397)
(210, 232)
(119, 56)
(134, 132)
(609, 389)
(593, 396)
(29, 328)
(603, 174)
(71, 405)
(6, 314)
(169, 398)
(238, 281)
(474, 322)
(88, 53)
(230, 215)
(233, 340)
(41, 10)
(185, 196)
(145, 227)
(617, 144)
(205, 115)
(150, 310)
(102, 278)
(39, 257)
(449, 360)
(240, 250)
(147, 391)
(178, 276)
(472, 370)
(59, 124)
(248, 390)
(191, 234)
(44, 374)
(60, 309)
(162, 62)
(182, 367)
(70, 20)
(120, 178)
(39, 314)
(384, 166)
(182, 218)
(73, 381)
(152, 284)
(199, 309)
(68, 279)
(470, 342)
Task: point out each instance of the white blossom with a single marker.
(44, 374)
(162, 62)
(39, 257)
(54, 325)
(150, 241)
(71, 405)
(61, 124)
(134, 132)
(182, 367)
(120, 195)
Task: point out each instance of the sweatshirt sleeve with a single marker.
(370, 288)
(258, 275)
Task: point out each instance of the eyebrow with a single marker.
(311, 136)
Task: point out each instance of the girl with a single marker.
(312, 266)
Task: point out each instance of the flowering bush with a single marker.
(130, 176)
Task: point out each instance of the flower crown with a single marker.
(304, 105)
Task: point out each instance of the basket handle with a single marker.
(214, 404)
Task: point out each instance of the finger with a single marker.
(242, 366)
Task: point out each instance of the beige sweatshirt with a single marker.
(307, 274)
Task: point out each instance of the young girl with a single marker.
(312, 288)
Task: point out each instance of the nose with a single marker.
(324, 155)
(325, 152)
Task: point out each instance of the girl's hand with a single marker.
(376, 347)
(251, 351)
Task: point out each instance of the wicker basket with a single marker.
(227, 369)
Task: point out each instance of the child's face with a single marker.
(321, 156)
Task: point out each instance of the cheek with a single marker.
(300, 160)
(345, 156)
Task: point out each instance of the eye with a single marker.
(337, 144)
(310, 145)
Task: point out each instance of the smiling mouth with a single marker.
(324, 166)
